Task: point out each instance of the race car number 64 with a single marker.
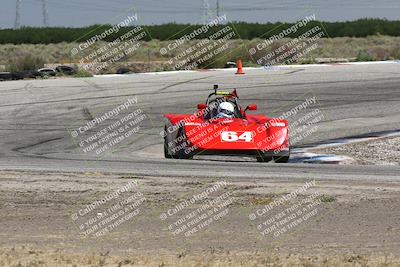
(237, 136)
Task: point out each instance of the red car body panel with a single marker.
(192, 134)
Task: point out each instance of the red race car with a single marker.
(222, 127)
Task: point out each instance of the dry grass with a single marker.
(30, 257)
(148, 57)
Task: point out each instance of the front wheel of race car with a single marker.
(179, 154)
(283, 159)
(166, 144)
(264, 159)
(166, 153)
(182, 154)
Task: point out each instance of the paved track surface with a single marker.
(38, 116)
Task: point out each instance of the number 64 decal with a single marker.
(237, 136)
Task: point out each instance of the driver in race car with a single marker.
(225, 110)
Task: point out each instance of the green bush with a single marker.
(81, 73)
(364, 56)
(395, 52)
(25, 62)
(327, 199)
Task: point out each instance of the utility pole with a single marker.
(45, 13)
(217, 8)
(18, 15)
(206, 11)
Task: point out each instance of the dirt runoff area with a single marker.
(98, 219)
(382, 151)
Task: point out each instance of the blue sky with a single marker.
(86, 12)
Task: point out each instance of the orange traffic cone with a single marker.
(239, 67)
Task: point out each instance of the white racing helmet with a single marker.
(226, 110)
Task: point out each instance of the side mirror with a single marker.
(251, 107)
(201, 106)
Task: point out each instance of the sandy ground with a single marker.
(376, 152)
(46, 221)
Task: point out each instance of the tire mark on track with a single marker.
(183, 82)
(262, 85)
(18, 149)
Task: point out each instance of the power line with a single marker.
(87, 7)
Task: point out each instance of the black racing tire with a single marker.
(166, 141)
(184, 156)
(264, 159)
(67, 70)
(166, 154)
(283, 159)
(6, 76)
(180, 154)
(123, 71)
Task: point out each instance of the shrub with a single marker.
(364, 56)
(395, 52)
(25, 62)
(81, 73)
(326, 198)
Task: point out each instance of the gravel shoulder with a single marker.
(385, 151)
(38, 227)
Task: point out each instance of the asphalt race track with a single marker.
(37, 117)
